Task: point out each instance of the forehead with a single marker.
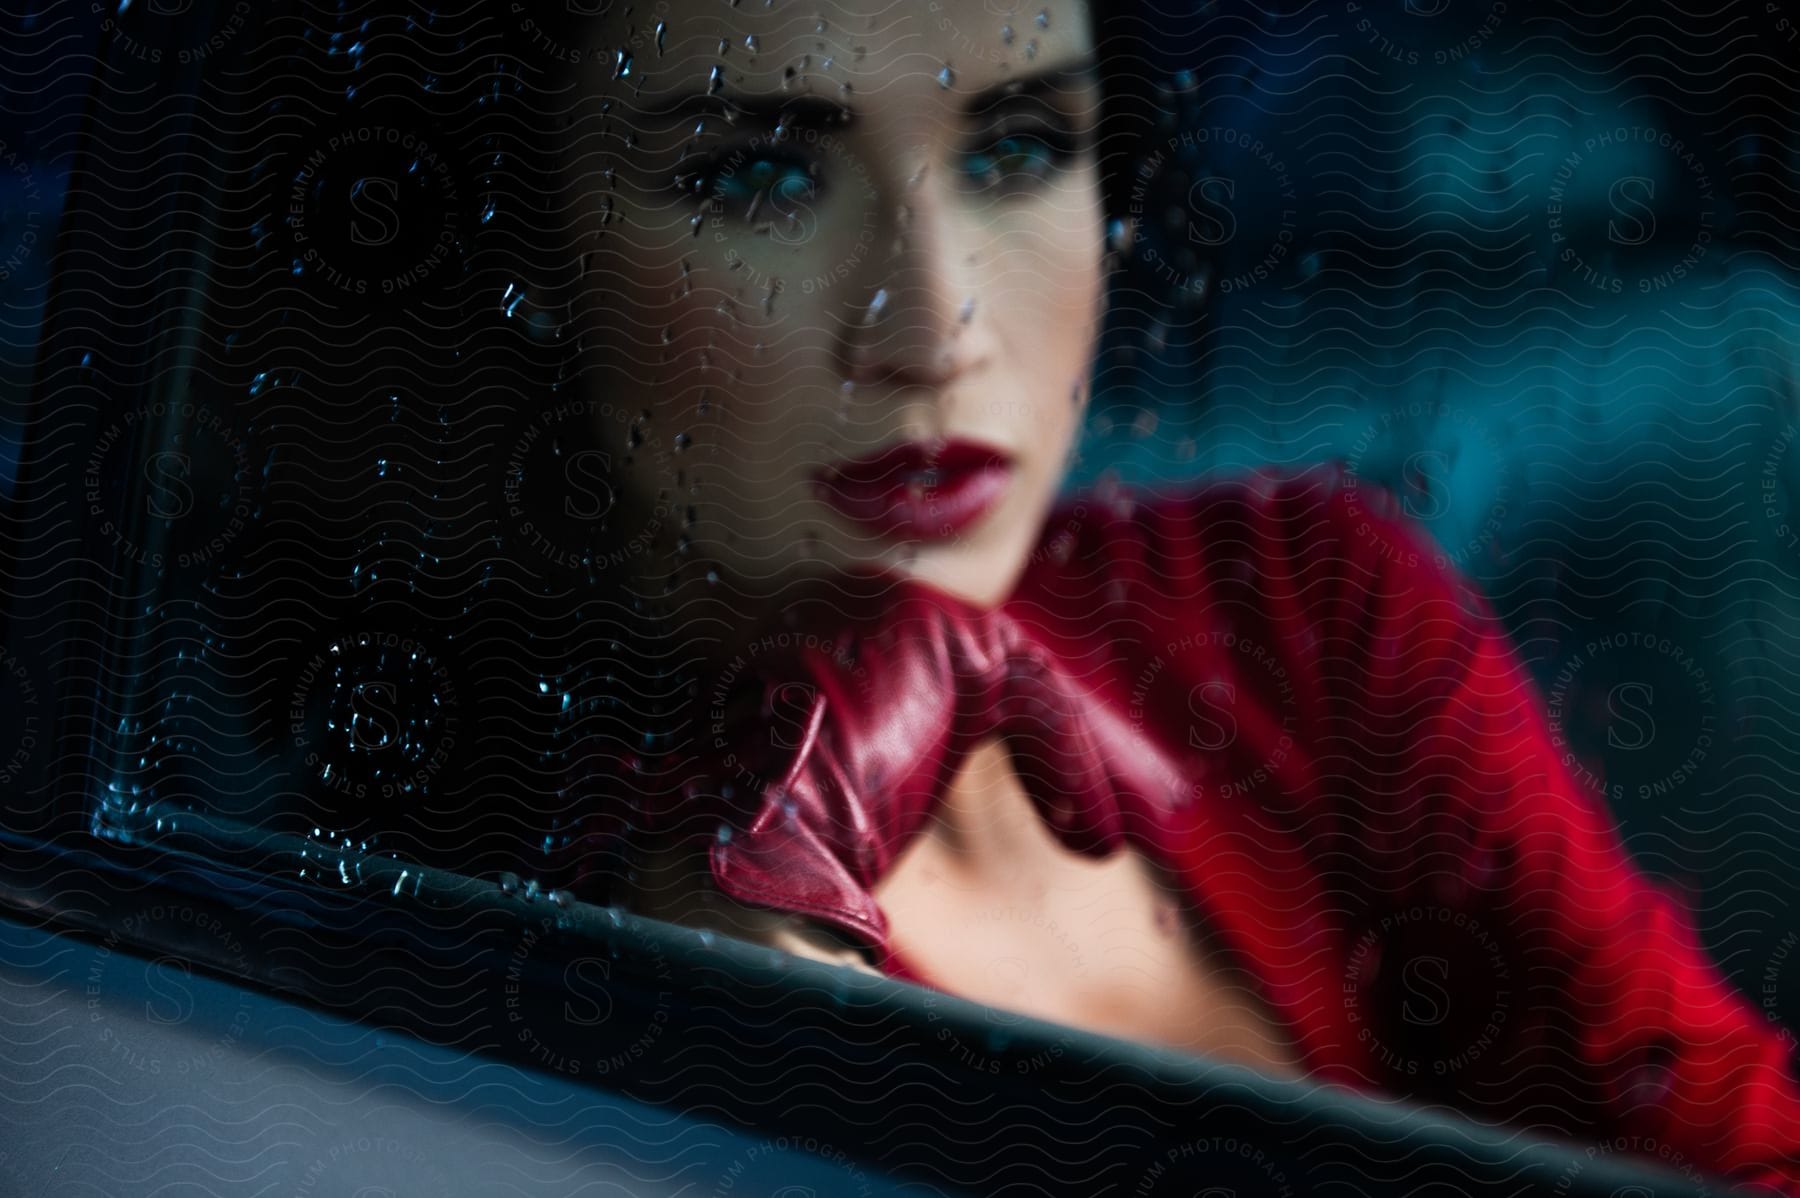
(860, 52)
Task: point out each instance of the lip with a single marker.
(920, 490)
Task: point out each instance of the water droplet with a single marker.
(946, 77)
(750, 43)
(1043, 18)
(662, 33)
(621, 63)
(877, 306)
(1118, 236)
(715, 80)
(509, 883)
(1006, 35)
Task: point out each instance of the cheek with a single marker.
(1048, 318)
(668, 323)
(1047, 305)
(733, 390)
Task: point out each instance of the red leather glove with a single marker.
(886, 709)
(827, 740)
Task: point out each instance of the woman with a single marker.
(1249, 771)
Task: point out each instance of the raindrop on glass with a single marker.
(1118, 236)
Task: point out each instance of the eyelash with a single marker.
(708, 175)
(1053, 149)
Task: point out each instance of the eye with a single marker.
(1019, 160)
(752, 184)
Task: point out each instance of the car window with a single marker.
(313, 530)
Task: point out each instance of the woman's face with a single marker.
(842, 265)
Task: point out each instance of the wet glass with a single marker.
(425, 400)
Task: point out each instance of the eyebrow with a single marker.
(817, 112)
(1080, 75)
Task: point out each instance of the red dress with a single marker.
(1286, 696)
(1380, 825)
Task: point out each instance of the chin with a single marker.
(983, 570)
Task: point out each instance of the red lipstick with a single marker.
(918, 490)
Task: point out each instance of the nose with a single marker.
(918, 326)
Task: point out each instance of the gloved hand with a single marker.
(821, 744)
(838, 738)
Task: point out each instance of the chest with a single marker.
(988, 905)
